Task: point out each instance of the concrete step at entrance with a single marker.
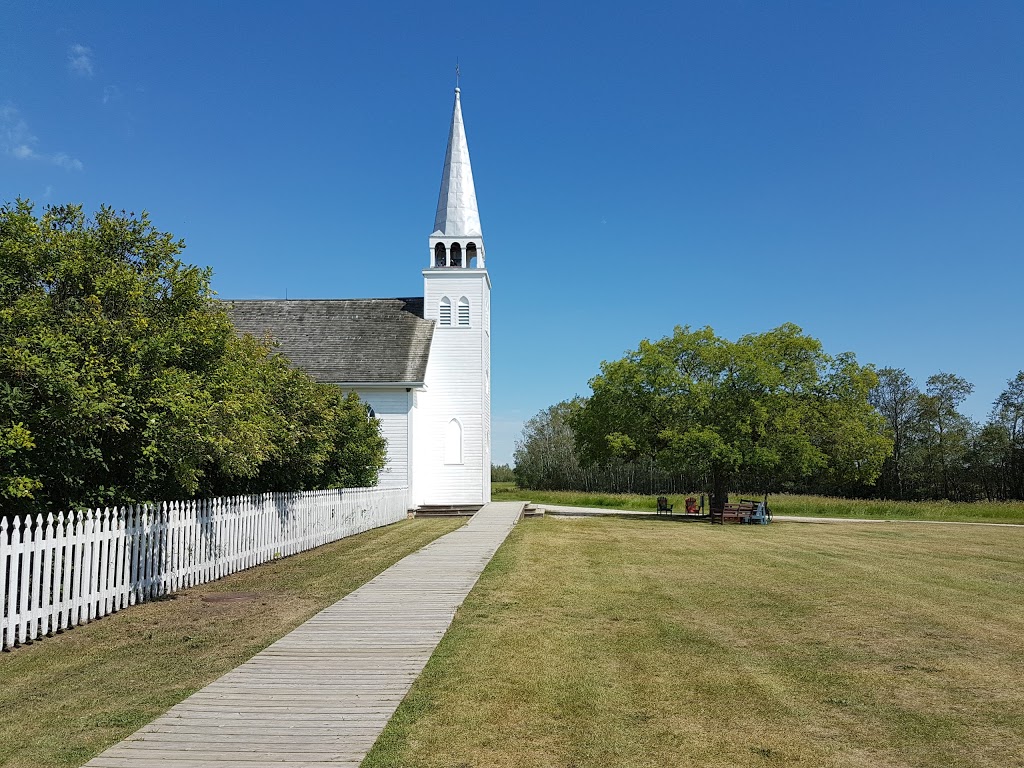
(532, 510)
(447, 510)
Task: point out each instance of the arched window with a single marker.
(471, 255)
(439, 255)
(463, 311)
(446, 311)
(453, 443)
(456, 260)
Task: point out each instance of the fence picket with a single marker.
(46, 586)
(117, 562)
(192, 545)
(133, 554)
(5, 550)
(149, 550)
(24, 580)
(33, 588)
(62, 572)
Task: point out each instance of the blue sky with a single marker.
(853, 167)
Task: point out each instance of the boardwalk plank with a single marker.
(322, 694)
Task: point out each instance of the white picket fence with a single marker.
(72, 568)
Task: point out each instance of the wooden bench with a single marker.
(664, 506)
(740, 512)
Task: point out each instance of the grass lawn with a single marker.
(790, 504)
(66, 698)
(610, 642)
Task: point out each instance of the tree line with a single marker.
(122, 379)
(772, 412)
(938, 452)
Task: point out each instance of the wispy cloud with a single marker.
(65, 160)
(15, 137)
(111, 93)
(18, 141)
(80, 60)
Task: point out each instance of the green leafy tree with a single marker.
(771, 408)
(15, 446)
(502, 473)
(945, 432)
(547, 459)
(987, 462)
(1009, 412)
(897, 398)
(545, 454)
(999, 449)
(279, 429)
(121, 380)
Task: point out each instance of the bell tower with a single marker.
(457, 239)
(452, 432)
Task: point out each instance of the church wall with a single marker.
(485, 470)
(455, 388)
(391, 407)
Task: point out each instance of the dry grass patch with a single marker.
(67, 698)
(599, 642)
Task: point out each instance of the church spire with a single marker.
(457, 214)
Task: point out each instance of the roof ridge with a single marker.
(372, 298)
(350, 340)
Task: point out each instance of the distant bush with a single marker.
(502, 473)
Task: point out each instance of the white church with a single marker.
(422, 364)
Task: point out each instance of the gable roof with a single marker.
(350, 341)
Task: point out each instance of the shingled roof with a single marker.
(369, 341)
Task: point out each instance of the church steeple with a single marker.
(452, 432)
(457, 237)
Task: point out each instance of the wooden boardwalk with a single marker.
(321, 695)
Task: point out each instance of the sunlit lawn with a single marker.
(789, 504)
(66, 698)
(609, 642)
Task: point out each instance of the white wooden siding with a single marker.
(392, 409)
(455, 388)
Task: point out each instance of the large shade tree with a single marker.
(122, 380)
(771, 408)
